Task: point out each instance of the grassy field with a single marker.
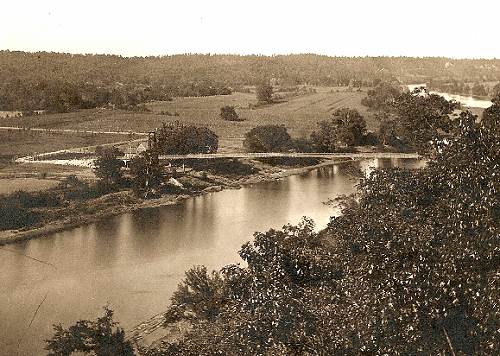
(299, 114)
(22, 143)
(12, 185)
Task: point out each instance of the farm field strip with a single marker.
(91, 132)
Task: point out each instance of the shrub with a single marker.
(264, 93)
(102, 337)
(229, 114)
(177, 138)
(268, 138)
(108, 166)
(15, 215)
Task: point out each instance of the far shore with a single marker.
(103, 211)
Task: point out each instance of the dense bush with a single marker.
(177, 138)
(346, 127)
(14, 215)
(101, 337)
(24, 209)
(107, 166)
(229, 114)
(268, 138)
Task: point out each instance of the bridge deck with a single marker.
(366, 155)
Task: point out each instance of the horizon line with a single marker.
(246, 55)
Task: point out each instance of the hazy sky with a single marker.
(453, 28)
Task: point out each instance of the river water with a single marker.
(468, 101)
(133, 262)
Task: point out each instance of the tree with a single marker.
(381, 96)
(101, 338)
(346, 127)
(107, 166)
(200, 295)
(228, 113)
(264, 92)
(267, 138)
(184, 139)
(419, 251)
(479, 90)
(495, 91)
(146, 171)
(491, 116)
(420, 118)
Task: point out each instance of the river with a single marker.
(135, 261)
(468, 101)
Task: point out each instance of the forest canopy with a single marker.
(62, 82)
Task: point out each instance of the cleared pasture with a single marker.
(15, 143)
(299, 114)
(8, 186)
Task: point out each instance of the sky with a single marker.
(457, 29)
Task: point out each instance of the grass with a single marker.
(299, 114)
(8, 186)
(22, 143)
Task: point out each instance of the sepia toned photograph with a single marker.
(269, 178)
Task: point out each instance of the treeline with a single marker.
(55, 95)
(79, 81)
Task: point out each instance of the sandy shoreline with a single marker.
(13, 236)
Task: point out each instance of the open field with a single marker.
(21, 143)
(299, 114)
(8, 186)
(40, 170)
(14, 144)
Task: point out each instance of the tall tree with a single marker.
(146, 170)
(420, 118)
(264, 92)
(107, 166)
(346, 127)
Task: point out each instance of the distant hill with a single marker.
(27, 75)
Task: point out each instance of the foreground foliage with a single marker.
(100, 337)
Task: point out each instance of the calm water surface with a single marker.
(135, 261)
(468, 101)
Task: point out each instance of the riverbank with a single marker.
(121, 202)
